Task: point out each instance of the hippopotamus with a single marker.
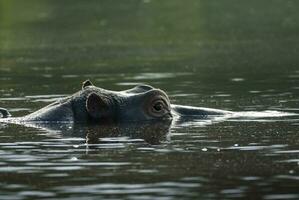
(94, 105)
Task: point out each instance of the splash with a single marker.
(267, 115)
(244, 116)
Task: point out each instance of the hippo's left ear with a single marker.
(98, 107)
(86, 83)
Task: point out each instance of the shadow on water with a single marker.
(150, 132)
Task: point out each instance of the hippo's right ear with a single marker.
(86, 83)
(97, 106)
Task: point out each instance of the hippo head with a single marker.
(140, 103)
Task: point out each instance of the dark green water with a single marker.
(232, 54)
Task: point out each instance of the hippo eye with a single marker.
(158, 108)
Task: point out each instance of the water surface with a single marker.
(233, 55)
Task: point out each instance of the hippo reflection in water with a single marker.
(94, 105)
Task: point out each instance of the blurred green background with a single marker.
(134, 34)
(193, 46)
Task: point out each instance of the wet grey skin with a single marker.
(96, 105)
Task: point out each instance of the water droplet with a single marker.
(74, 159)
(237, 79)
(204, 149)
(254, 91)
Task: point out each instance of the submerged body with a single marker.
(95, 105)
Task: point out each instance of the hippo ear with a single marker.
(97, 106)
(86, 83)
